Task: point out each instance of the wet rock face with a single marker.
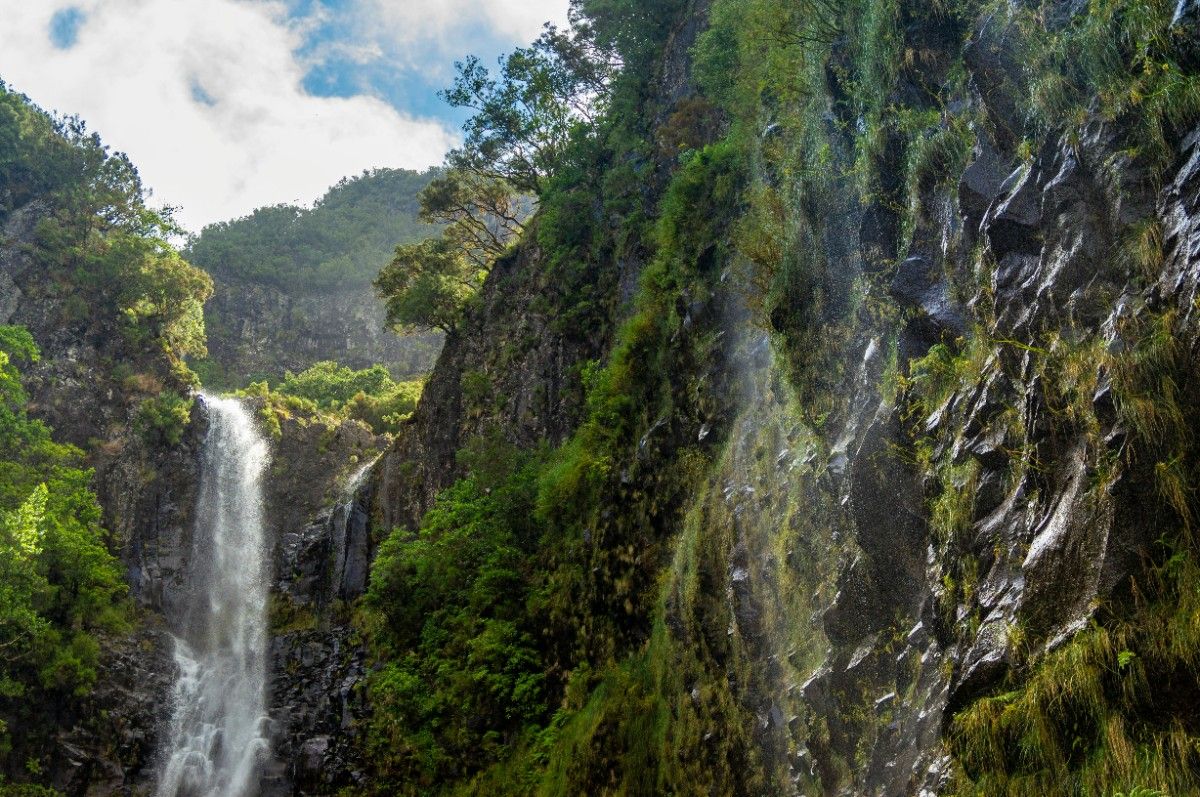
(1179, 209)
(1040, 547)
(316, 701)
(318, 665)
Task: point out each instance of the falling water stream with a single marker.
(218, 737)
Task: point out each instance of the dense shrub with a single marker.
(461, 678)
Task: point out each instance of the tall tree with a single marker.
(526, 114)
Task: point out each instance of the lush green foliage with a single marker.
(473, 614)
(59, 586)
(461, 679)
(98, 236)
(27, 790)
(525, 123)
(525, 118)
(163, 418)
(369, 395)
(428, 285)
(328, 384)
(342, 241)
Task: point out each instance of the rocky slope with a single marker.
(316, 510)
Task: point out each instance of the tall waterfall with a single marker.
(218, 737)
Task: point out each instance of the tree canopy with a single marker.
(341, 241)
(525, 117)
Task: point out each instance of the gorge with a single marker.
(828, 427)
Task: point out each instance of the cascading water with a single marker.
(350, 555)
(218, 739)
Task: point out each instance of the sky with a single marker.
(228, 105)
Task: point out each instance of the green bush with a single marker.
(369, 395)
(461, 676)
(328, 384)
(164, 418)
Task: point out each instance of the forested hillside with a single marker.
(343, 240)
(293, 284)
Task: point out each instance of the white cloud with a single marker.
(423, 20)
(138, 73)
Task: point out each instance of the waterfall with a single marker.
(349, 534)
(218, 738)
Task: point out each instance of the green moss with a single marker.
(285, 616)
(164, 418)
(1117, 58)
(1105, 713)
(26, 790)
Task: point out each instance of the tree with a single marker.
(163, 294)
(627, 32)
(58, 582)
(427, 285)
(525, 117)
(481, 216)
(328, 384)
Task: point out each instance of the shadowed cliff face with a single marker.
(259, 331)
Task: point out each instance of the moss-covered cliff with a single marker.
(829, 432)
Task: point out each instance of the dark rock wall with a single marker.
(258, 331)
(316, 508)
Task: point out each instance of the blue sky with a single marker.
(227, 105)
(406, 72)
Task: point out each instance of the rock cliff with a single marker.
(936, 463)
(260, 331)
